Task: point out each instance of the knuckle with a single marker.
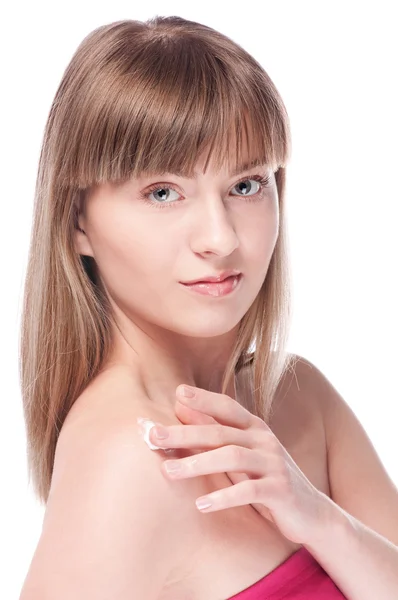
(255, 489)
(258, 437)
(258, 422)
(277, 465)
(279, 461)
(219, 434)
(191, 464)
(272, 442)
(236, 452)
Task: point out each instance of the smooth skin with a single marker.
(240, 442)
(164, 336)
(359, 483)
(111, 513)
(204, 226)
(361, 538)
(112, 510)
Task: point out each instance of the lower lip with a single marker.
(229, 285)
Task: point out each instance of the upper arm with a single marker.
(107, 520)
(359, 482)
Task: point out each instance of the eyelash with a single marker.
(263, 181)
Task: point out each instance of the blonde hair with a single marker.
(139, 97)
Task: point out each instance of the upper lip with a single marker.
(214, 278)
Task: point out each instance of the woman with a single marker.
(170, 114)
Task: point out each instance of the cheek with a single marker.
(132, 256)
(258, 234)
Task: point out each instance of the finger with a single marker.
(247, 492)
(204, 436)
(223, 408)
(227, 459)
(189, 415)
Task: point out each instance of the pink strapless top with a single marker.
(300, 577)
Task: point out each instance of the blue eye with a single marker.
(163, 187)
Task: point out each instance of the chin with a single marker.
(207, 328)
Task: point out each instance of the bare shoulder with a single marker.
(301, 379)
(297, 412)
(359, 482)
(111, 394)
(110, 513)
(113, 400)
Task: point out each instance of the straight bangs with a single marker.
(158, 107)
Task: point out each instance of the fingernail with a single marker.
(186, 391)
(161, 433)
(203, 503)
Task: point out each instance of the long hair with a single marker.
(139, 97)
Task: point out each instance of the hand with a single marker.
(261, 470)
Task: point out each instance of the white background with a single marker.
(335, 65)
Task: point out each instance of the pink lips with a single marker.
(215, 289)
(214, 278)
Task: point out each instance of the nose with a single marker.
(214, 229)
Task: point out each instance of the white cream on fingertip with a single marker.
(145, 425)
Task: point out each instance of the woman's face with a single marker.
(184, 229)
